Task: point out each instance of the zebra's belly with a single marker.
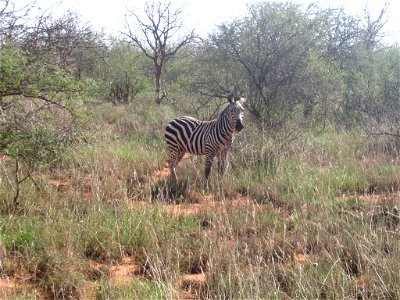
(192, 149)
(205, 149)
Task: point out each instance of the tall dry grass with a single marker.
(316, 218)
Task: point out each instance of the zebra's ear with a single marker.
(231, 99)
(242, 100)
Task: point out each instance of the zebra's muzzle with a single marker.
(239, 126)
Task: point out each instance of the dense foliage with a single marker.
(322, 65)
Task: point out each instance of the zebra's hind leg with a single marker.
(174, 158)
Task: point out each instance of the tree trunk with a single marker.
(158, 83)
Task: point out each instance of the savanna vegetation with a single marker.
(308, 208)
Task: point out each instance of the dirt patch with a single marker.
(11, 286)
(164, 172)
(301, 258)
(122, 272)
(190, 285)
(62, 184)
(184, 209)
(7, 287)
(208, 203)
(373, 197)
(67, 183)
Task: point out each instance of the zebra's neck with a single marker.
(225, 124)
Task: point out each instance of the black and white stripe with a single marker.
(209, 138)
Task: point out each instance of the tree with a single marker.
(122, 75)
(158, 35)
(65, 42)
(12, 20)
(38, 114)
(353, 44)
(264, 55)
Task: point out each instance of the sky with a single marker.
(204, 15)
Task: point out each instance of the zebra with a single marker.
(209, 138)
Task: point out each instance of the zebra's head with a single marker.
(235, 111)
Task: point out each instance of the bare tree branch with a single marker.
(155, 34)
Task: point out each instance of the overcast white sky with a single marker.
(203, 15)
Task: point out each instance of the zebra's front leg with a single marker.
(222, 162)
(209, 159)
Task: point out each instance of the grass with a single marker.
(316, 219)
(138, 289)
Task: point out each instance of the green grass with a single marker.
(138, 289)
(277, 204)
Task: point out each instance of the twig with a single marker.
(384, 133)
(18, 182)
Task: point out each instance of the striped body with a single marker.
(209, 138)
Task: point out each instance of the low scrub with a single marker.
(300, 221)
